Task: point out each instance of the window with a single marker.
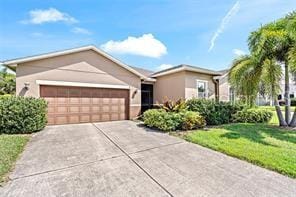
(231, 95)
(202, 89)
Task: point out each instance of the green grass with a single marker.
(10, 148)
(260, 144)
(274, 120)
(272, 108)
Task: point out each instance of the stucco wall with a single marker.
(86, 67)
(224, 88)
(191, 84)
(170, 86)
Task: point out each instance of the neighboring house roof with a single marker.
(14, 62)
(184, 67)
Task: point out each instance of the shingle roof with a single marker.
(188, 68)
(143, 71)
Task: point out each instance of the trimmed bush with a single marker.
(162, 120)
(253, 115)
(20, 115)
(192, 120)
(171, 121)
(293, 102)
(215, 113)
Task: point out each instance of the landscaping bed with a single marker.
(270, 147)
(10, 148)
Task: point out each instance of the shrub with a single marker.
(253, 115)
(160, 119)
(192, 120)
(171, 106)
(171, 121)
(215, 113)
(19, 115)
(293, 102)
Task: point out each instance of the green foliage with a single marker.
(171, 121)
(253, 115)
(293, 102)
(160, 119)
(7, 83)
(20, 115)
(171, 106)
(10, 148)
(192, 120)
(215, 113)
(260, 144)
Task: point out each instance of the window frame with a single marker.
(206, 88)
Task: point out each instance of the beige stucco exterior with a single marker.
(224, 88)
(170, 87)
(191, 84)
(181, 85)
(83, 67)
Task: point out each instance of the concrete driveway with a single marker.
(125, 159)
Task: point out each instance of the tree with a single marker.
(7, 82)
(271, 45)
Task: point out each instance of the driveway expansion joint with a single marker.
(65, 168)
(138, 165)
(157, 147)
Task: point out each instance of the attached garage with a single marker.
(68, 105)
(81, 85)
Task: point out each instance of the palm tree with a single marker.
(270, 46)
(7, 82)
(247, 76)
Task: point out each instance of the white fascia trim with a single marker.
(13, 63)
(78, 84)
(169, 72)
(186, 69)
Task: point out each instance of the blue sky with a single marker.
(151, 34)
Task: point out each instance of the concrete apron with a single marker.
(124, 159)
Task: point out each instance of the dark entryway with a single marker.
(147, 97)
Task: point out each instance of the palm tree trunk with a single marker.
(293, 121)
(287, 94)
(279, 113)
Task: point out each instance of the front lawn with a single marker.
(10, 148)
(263, 145)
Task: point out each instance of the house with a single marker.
(88, 85)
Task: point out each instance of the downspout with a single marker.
(217, 93)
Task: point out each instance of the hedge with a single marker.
(253, 115)
(171, 121)
(20, 115)
(215, 113)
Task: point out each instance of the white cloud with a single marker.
(231, 13)
(39, 16)
(238, 52)
(164, 66)
(79, 30)
(145, 45)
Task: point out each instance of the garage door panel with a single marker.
(61, 100)
(73, 109)
(85, 100)
(78, 105)
(61, 119)
(96, 109)
(74, 119)
(61, 109)
(85, 118)
(63, 92)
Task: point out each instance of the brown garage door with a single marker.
(68, 105)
